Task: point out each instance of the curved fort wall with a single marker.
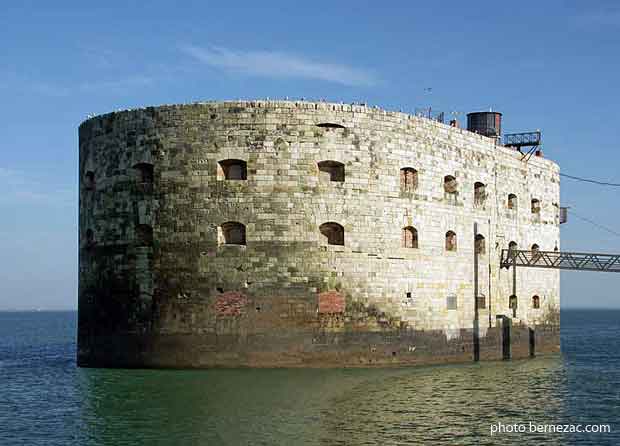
(292, 233)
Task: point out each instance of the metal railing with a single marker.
(560, 260)
(429, 113)
(522, 139)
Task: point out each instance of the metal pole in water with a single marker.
(476, 320)
(514, 285)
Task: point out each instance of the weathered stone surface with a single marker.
(331, 302)
(159, 286)
(230, 304)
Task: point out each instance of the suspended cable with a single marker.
(605, 228)
(585, 180)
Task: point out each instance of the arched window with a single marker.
(330, 125)
(232, 169)
(535, 206)
(89, 180)
(512, 304)
(449, 185)
(512, 201)
(535, 252)
(333, 232)
(452, 302)
(145, 172)
(450, 241)
(231, 233)
(333, 169)
(144, 235)
(90, 237)
(408, 179)
(512, 249)
(535, 302)
(410, 237)
(480, 194)
(480, 244)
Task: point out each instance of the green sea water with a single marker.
(46, 400)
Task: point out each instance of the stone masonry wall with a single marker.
(286, 290)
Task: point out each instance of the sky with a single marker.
(551, 65)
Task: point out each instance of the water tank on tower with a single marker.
(485, 123)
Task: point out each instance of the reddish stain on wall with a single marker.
(230, 303)
(331, 302)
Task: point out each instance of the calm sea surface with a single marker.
(46, 400)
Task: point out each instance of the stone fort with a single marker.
(288, 234)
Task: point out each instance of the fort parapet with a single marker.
(277, 233)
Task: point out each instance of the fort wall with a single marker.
(332, 249)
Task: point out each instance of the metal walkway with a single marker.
(560, 260)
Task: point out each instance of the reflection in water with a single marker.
(447, 405)
(46, 400)
(451, 404)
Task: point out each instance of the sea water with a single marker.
(46, 400)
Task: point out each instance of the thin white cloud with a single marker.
(18, 187)
(280, 65)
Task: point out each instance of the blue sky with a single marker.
(549, 65)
